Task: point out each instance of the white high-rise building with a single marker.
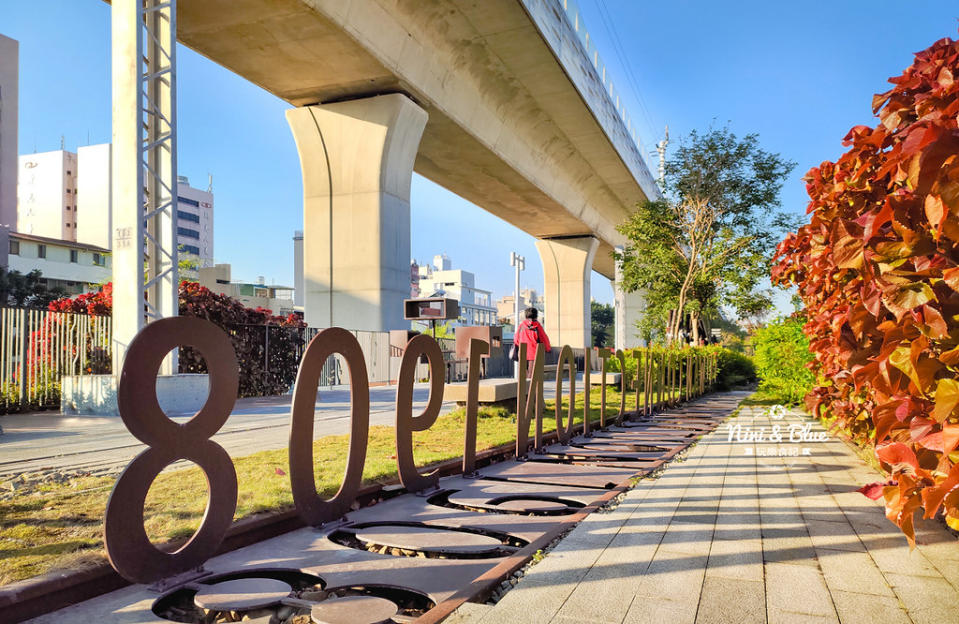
(67, 196)
(47, 195)
(9, 90)
(194, 222)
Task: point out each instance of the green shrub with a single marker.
(612, 365)
(735, 369)
(781, 355)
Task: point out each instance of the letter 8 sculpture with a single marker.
(129, 549)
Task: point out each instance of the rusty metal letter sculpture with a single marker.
(478, 348)
(565, 359)
(129, 549)
(529, 400)
(406, 423)
(638, 379)
(603, 355)
(622, 387)
(587, 385)
(313, 509)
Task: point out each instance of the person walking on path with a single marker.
(531, 333)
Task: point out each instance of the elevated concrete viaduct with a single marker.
(496, 100)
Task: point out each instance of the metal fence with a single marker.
(381, 359)
(38, 347)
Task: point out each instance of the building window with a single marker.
(187, 216)
(41, 251)
(188, 202)
(190, 249)
(74, 255)
(187, 232)
(15, 248)
(99, 259)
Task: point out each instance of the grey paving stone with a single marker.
(778, 616)
(691, 546)
(672, 576)
(600, 599)
(736, 559)
(687, 538)
(731, 601)
(834, 535)
(469, 613)
(788, 544)
(926, 599)
(893, 556)
(852, 572)
(868, 609)
(797, 589)
(562, 619)
(948, 568)
(658, 611)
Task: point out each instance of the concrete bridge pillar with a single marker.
(628, 308)
(357, 164)
(567, 265)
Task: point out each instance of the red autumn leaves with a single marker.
(877, 268)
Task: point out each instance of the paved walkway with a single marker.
(46, 441)
(49, 441)
(734, 535)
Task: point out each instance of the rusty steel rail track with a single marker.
(49, 592)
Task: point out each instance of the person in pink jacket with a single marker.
(531, 333)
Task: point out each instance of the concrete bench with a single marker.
(595, 378)
(612, 379)
(491, 391)
(549, 371)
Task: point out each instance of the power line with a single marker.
(609, 25)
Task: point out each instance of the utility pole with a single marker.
(661, 148)
(518, 261)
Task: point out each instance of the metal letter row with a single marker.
(514, 504)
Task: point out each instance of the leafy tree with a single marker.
(26, 290)
(443, 330)
(602, 323)
(188, 265)
(709, 241)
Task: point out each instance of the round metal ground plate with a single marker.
(353, 610)
(529, 504)
(428, 540)
(242, 594)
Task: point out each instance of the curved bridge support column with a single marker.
(357, 163)
(567, 265)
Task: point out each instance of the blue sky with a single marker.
(798, 74)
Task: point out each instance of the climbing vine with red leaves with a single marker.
(268, 347)
(877, 268)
